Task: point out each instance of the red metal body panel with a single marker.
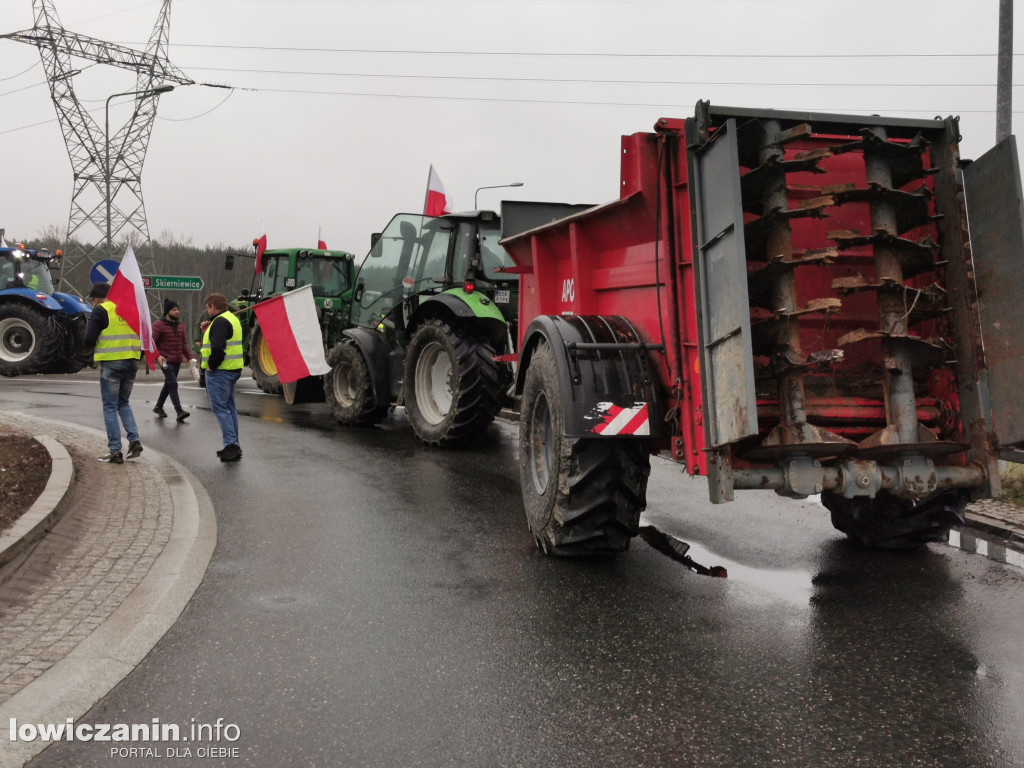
(634, 257)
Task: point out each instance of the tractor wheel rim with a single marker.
(433, 383)
(266, 362)
(344, 392)
(17, 340)
(539, 444)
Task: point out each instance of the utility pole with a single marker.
(1004, 72)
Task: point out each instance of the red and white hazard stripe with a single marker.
(622, 421)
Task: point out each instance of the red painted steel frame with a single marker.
(633, 257)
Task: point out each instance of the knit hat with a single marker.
(169, 305)
(99, 291)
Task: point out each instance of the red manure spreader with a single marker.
(798, 302)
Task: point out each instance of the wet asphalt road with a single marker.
(375, 603)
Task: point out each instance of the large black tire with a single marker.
(264, 370)
(30, 340)
(888, 522)
(74, 357)
(582, 496)
(452, 384)
(348, 390)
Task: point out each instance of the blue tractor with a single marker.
(41, 330)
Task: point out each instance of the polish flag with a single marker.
(320, 244)
(292, 333)
(437, 203)
(261, 246)
(129, 297)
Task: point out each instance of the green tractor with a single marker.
(434, 321)
(330, 272)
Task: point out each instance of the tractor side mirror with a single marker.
(229, 261)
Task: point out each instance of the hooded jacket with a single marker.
(171, 341)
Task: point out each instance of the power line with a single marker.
(588, 81)
(223, 101)
(2, 79)
(576, 54)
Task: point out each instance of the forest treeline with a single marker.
(174, 256)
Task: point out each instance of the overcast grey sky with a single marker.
(340, 106)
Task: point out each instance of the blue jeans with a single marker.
(220, 385)
(116, 380)
(170, 387)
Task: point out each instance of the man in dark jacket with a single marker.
(172, 347)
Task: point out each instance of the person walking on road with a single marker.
(222, 361)
(172, 350)
(117, 349)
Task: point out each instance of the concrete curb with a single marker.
(47, 509)
(990, 538)
(74, 684)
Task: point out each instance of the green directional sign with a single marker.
(172, 283)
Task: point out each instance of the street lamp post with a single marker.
(106, 145)
(495, 186)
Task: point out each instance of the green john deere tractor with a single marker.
(330, 272)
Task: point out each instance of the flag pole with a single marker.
(426, 195)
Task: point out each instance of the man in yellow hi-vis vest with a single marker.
(222, 361)
(117, 349)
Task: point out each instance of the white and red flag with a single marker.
(261, 246)
(129, 297)
(292, 333)
(320, 244)
(437, 203)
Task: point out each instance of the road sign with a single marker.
(103, 271)
(172, 282)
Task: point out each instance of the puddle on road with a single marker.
(793, 587)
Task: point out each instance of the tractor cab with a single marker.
(25, 268)
(417, 257)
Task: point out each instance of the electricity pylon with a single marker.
(107, 196)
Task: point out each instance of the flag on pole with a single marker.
(129, 297)
(261, 246)
(320, 244)
(292, 333)
(437, 203)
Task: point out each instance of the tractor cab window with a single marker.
(276, 272)
(329, 276)
(305, 275)
(492, 256)
(408, 258)
(35, 275)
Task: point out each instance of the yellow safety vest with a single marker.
(117, 341)
(233, 350)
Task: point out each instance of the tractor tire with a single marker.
(583, 496)
(348, 390)
(74, 356)
(889, 522)
(30, 340)
(264, 369)
(452, 384)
